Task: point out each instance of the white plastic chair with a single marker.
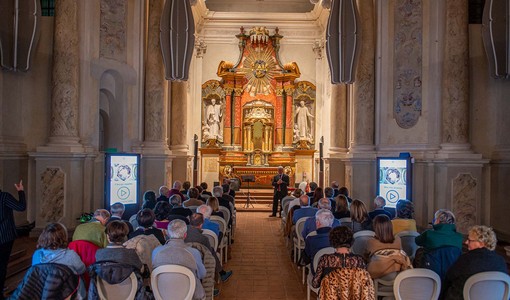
(313, 233)
(173, 282)
(299, 242)
(361, 238)
(213, 238)
(315, 262)
(408, 242)
(417, 284)
(226, 214)
(487, 285)
(126, 290)
(383, 287)
(223, 245)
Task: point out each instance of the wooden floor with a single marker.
(262, 265)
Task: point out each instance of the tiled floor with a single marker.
(261, 262)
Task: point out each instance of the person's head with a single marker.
(302, 186)
(162, 210)
(102, 215)
(196, 220)
(149, 199)
(186, 185)
(324, 218)
(177, 229)
(175, 200)
(405, 209)
(163, 191)
(226, 188)
(54, 236)
(117, 209)
(313, 186)
(444, 216)
(341, 237)
(358, 211)
(343, 191)
(342, 205)
(217, 191)
(297, 193)
(318, 194)
(204, 186)
(379, 202)
(205, 210)
(480, 236)
(334, 185)
(177, 185)
(117, 232)
(200, 189)
(193, 193)
(329, 192)
(213, 203)
(324, 203)
(304, 201)
(145, 217)
(280, 170)
(383, 229)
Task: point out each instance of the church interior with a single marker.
(257, 92)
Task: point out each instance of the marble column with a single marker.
(455, 94)
(155, 98)
(338, 118)
(65, 77)
(178, 130)
(363, 89)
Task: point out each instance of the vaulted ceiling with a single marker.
(275, 6)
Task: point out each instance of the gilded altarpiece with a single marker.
(258, 116)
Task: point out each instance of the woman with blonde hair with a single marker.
(481, 257)
(359, 216)
(215, 205)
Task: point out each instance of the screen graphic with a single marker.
(123, 178)
(393, 179)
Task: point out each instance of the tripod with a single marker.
(248, 179)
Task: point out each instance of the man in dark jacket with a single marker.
(280, 183)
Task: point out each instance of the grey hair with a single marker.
(205, 210)
(324, 217)
(175, 200)
(117, 208)
(485, 235)
(177, 229)
(217, 191)
(444, 216)
(379, 202)
(324, 203)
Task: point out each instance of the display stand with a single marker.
(248, 179)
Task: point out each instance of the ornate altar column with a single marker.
(155, 147)
(56, 173)
(237, 118)
(359, 171)
(178, 130)
(289, 91)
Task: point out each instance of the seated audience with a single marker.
(313, 186)
(215, 206)
(163, 194)
(227, 190)
(384, 252)
(334, 185)
(117, 210)
(305, 211)
(176, 252)
(178, 209)
(222, 198)
(310, 223)
(145, 219)
(192, 198)
(149, 199)
(293, 199)
(94, 231)
(317, 195)
(379, 204)
(303, 186)
(162, 211)
(206, 211)
(328, 193)
(176, 190)
(481, 257)
(117, 232)
(186, 185)
(359, 216)
(344, 191)
(313, 243)
(204, 189)
(342, 207)
(341, 239)
(404, 220)
(52, 248)
(441, 246)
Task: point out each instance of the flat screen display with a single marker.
(122, 178)
(394, 179)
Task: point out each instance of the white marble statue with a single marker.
(213, 117)
(303, 120)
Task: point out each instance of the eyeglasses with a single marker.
(470, 240)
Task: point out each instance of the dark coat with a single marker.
(113, 273)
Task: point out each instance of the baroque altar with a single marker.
(258, 116)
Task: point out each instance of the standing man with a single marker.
(8, 228)
(280, 184)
